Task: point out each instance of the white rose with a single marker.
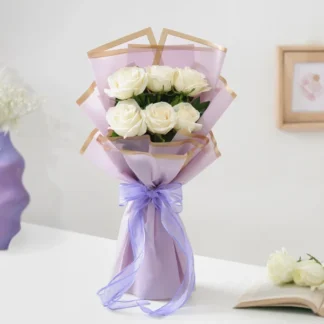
(190, 81)
(160, 117)
(160, 78)
(126, 82)
(280, 267)
(127, 119)
(308, 273)
(187, 117)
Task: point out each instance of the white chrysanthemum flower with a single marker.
(16, 100)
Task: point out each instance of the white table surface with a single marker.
(51, 276)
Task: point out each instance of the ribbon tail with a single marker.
(173, 225)
(111, 294)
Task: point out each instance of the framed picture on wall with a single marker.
(300, 88)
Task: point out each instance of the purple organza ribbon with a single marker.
(167, 199)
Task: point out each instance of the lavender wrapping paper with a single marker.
(164, 264)
(13, 196)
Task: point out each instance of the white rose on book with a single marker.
(190, 81)
(160, 78)
(187, 117)
(160, 117)
(127, 119)
(126, 82)
(308, 273)
(280, 267)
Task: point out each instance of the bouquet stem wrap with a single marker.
(167, 202)
(154, 256)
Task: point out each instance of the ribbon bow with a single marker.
(168, 200)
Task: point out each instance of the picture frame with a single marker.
(300, 88)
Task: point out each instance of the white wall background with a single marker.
(266, 191)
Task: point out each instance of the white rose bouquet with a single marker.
(283, 269)
(154, 107)
(158, 101)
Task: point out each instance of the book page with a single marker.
(283, 295)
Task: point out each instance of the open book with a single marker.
(267, 295)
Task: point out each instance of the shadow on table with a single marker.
(35, 240)
(207, 299)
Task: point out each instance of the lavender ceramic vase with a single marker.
(13, 196)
